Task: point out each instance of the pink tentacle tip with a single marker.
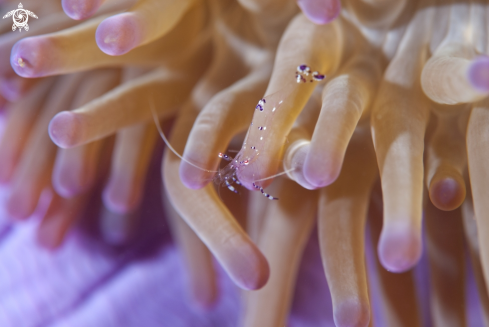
(119, 34)
(119, 199)
(29, 56)
(64, 130)
(447, 194)
(19, 205)
(323, 174)
(69, 184)
(399, 247)
(204, 297)
(255, 275)
(352, 312)
(320, 11)
(80, 9)
(251, 176)
(246, 180)
(193, 177)
(478, 74)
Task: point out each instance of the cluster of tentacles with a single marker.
(366, 109)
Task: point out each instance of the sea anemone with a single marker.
(351, 87)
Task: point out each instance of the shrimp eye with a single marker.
(303, 69)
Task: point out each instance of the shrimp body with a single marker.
(259, 131)
(257, 135)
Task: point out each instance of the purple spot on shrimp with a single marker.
(259, 107)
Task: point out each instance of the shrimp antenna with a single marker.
(160, 130)
(276, 175)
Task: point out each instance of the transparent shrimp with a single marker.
(257, 135)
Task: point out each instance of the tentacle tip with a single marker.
(253, 283)
(252, 272)
(48, 239)
(248, 184)
(64, 190)
(352, 313)
(447, 194)
(320, 11)
(31, 57)
(79, 10)
(68, 185)
(399, 247)
(117, 201)
(205, 300)
(192, 177)
(18, 208)
(296, 169)
(119, 34)
(321, 179)
(64, 130)
(324, 170)
(253, 181)
(478, 74)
